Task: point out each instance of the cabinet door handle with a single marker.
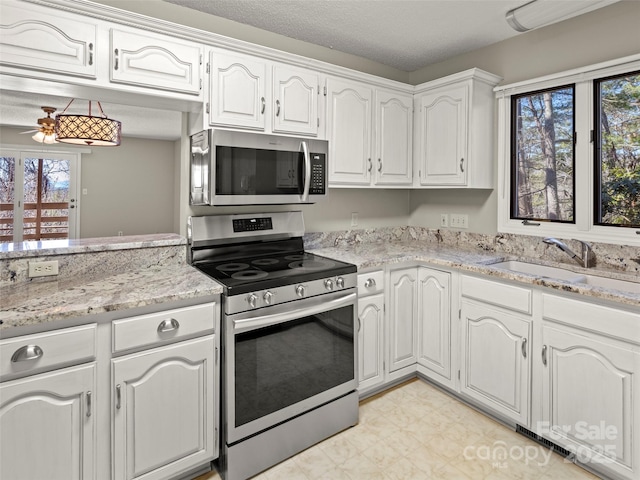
(91, 54)
(277, 108)
(462, 165)
(168, 325)
(370, 283)
(359, 323)
(89, 403)
(26, 353)
(264, 103)
(379, 164)
(115, 59)
(524, 347)
(544, 355)
(370, 165)
(118, 397)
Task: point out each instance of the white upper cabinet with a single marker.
(240, 95)
(43, 39)
(238, 91)
(155, 61)
(349, 131)
(394, 138)
(295, 100)
(454, 131)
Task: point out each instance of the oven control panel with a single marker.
(252, 224)
(289, 293)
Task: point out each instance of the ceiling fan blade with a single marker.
(30, 131)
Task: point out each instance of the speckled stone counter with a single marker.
(97, 276)
(368, 255)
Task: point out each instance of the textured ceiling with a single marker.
(405, 34)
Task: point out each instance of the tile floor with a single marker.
(415, 431)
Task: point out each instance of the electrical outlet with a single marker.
(459, 220)
(43, 269)
(444, 220)
(354, 219)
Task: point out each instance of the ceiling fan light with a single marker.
(539, 13)
(88, 130)
(42, 137)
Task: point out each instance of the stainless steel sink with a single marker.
(566, 275)
(539, 270)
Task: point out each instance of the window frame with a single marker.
(584, 227)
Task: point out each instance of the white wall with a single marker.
(129, 188)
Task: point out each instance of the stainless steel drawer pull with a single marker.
(359, 323)
(264, 104)
(370, 283)
(379, 165)
(277, 108)
(462, 165)
(168, 325)
(524, 347)
(89, 403)
(26, 353)
(544, 354)
(118, 397)
(115, 59)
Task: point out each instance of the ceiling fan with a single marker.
(45, 133)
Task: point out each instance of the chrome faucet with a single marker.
(587, 258)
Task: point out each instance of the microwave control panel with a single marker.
(318, 174)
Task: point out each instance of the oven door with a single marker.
(285, 360)
(254, 169)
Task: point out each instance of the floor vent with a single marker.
(544, 442)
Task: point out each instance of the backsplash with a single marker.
(620, 258)
(95, 258)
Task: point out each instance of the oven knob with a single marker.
(340, 282)
(300, 290)
(252, 299)
(268, 297)
(328, 284)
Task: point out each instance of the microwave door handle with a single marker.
(307, 172)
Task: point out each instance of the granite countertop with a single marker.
(45, 302)
(372, 255)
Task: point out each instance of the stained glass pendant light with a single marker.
(87, 129)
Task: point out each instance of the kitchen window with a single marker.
(569, 154)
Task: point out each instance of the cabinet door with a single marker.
(47, 40)
(349, 132)
(295, 93)
(47, 426)
(590, 399)
(394, 138)
(164, 410)
(402, 318)
(495, 360)
(370, 341)
(443, 121)
(238, 91)
(434, 322)
(155, 61)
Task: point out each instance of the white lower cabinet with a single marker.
(495, 364)
(402, 320)
(163, 410)
(370, 342)
(434, 325)
(48, 426)
(590, 399)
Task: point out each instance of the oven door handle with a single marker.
(307, 172)
(319, 305)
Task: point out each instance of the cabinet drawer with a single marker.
(496, 293)
(145, 330)
(46, 351)
(370, 283)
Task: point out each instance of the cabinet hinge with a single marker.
(200, 84)
(207, 107)
(318, 119)
(207, 69)
(200, 59)
(325, 90)
(593, 136)
(458, 374)
(460, 314)
(216, 353)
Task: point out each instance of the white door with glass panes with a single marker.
(38, 196)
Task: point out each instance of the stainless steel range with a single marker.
(289, 338)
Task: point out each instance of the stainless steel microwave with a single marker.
(240, 168)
